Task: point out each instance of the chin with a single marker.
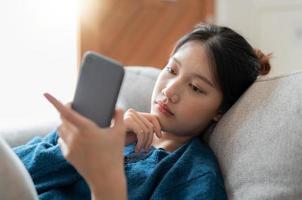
(167, 126)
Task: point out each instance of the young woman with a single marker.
(164, 157)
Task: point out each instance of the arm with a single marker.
(111, 186)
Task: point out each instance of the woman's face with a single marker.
(186, 87)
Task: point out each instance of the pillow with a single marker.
(258, 142)
(137, 91)
(15, 181)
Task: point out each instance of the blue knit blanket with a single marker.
(190, 172)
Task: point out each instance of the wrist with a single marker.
(109, 185)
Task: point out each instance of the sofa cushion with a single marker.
(258, 142)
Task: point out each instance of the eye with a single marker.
(195, 89)
(170, 70)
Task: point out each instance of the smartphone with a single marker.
(97, 88)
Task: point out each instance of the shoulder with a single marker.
(192, 161)
(200, 157)
(200, 161)
(196, 172)
(204, 186)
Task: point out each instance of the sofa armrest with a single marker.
(15, 182)
(22, 133)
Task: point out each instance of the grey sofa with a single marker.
(258, 142)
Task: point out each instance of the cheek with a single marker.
(193, 111)
(198, 113)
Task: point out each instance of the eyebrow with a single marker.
(195, 74)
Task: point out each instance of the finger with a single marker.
(148, 137)
(70, 115)
(118, 125)
(157, 126)
(137, 120)
(63, 146)
(150, 130)
(118, 118)
(141, 130)
(69, 126)
(153, 119)
(138, 131)
(131, 137)
(140, 142)
(60, 131)
(150, 140)
(149, 133)
(68, 123)
(144, 120)
(63, 133)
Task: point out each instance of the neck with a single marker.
(169, 142)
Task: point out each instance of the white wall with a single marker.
(271, 25)
(38, 51)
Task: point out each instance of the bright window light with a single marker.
(38, 50)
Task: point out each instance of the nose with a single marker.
(171, 92)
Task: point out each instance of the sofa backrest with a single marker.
(258, 142)
(137, 88)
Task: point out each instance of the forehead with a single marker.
(193, 57)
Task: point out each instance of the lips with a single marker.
(164, 107)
